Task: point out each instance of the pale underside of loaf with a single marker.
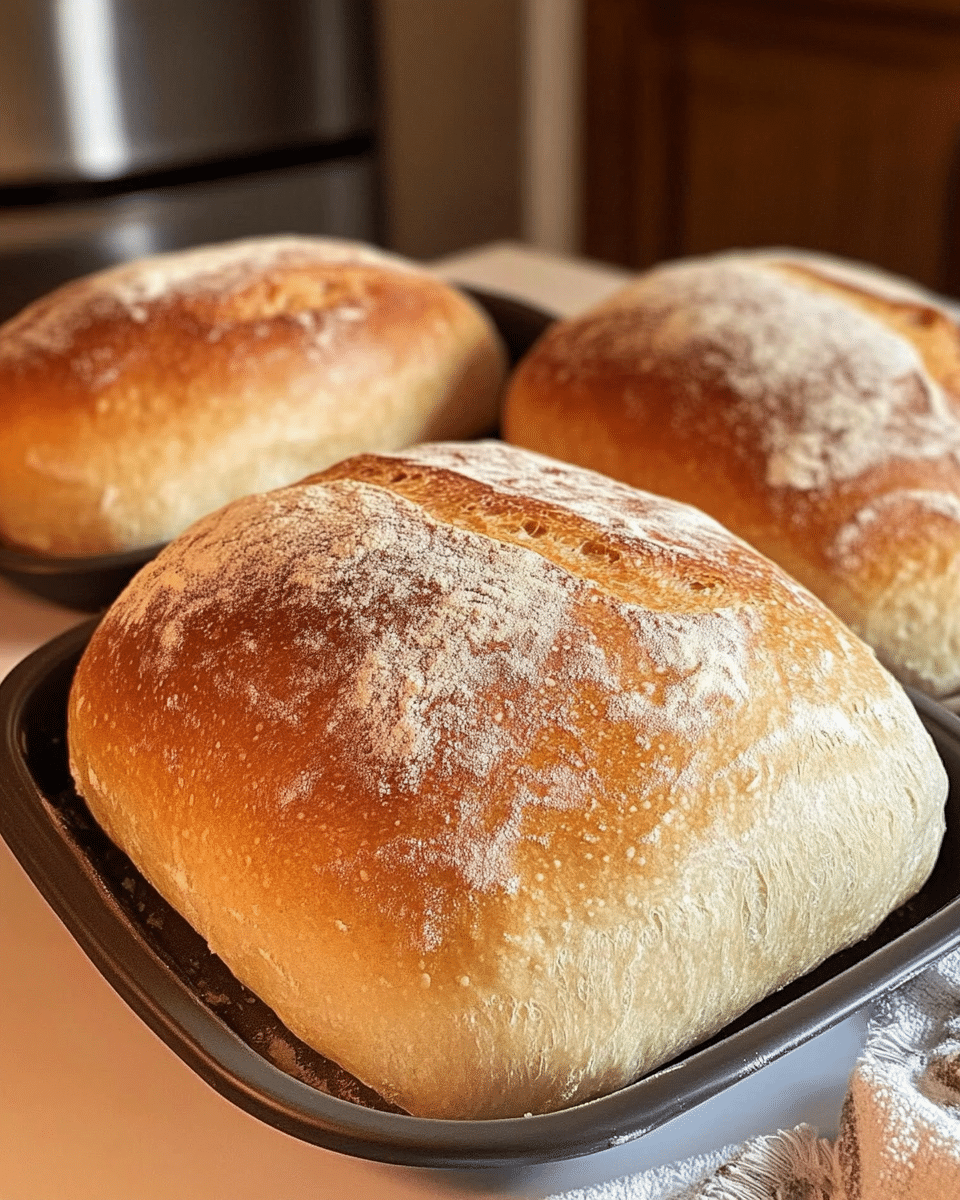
(135, 400)
(809, 404)
(501, 782)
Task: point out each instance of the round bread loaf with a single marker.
(134, 400)
(810, 405)
(500, 781)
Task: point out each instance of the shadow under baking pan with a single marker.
(163, 969)
(90, 584)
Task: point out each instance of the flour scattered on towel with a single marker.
(899, 1132)
(792, 1165)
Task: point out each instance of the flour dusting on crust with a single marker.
(49, 325)
(848, 546)
(829, 388)
(459, 666)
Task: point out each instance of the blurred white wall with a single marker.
(480, 123)
(551, 116)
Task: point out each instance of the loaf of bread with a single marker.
(810, 405)
(137, 399)
(500, 781)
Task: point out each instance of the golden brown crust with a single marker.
(500, 781)
(139, 398)
(812, 407)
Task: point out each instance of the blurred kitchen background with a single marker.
(624, 130)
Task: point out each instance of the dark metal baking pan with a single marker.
(165, 972)
(90, 584)
(520, 324)
(87, 584)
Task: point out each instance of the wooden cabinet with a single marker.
(721, 123)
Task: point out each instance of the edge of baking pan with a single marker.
(519, 324)
(91, 583)
(85, 583)
(32, 718)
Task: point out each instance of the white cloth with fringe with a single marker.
(899, 1136)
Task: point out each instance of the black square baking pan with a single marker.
(166, 973)
(91, 583)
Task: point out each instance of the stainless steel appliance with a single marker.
(128, 127)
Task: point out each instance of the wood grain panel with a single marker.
(732, 123)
